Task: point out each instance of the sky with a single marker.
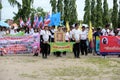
(7, 10)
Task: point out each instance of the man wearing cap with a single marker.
(46, 39)
(83, 44)
(76, 37)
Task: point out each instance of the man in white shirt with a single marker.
(41, 40)
(76, 37)
(71, 33)
(83, 44)
(106, 30)
(12, 30)
(46, 38)
(52, 31)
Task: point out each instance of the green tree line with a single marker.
(96, 11)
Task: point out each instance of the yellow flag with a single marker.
(67, 26)
(80, 27)
(90, 33)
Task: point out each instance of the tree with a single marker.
(99, 13)
(106, 18)
(110, 14)
(53, 5)
(39, 11)
(93, 12)
(60, 8)
(0, 4)
(73, 12)
(24, 9)
(115, 14)
(66, 10)
(119, 16)
(87, 12)
(0, 8)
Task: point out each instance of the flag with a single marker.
(28, 23)
(35, 21)
(47, 19)
(67, 26)
(21, 22)
(40, 21)
(55, 19)
(90, 35)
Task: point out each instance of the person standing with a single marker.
(41, 40)
(83, 44)
(59, 37)
(36, 44)
(71, 33)
(67, 38)
(52, 31)
(46, 39)
(76, 37)
(95, 35)
(106, 30)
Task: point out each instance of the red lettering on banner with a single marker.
(61, 47)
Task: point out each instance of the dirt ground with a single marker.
(27, 67)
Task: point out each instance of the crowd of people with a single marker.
(76, 35)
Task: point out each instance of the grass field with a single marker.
(27, 67)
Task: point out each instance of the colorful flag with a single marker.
(47, 19)
(21, 22)
(67, 26)
(35, 21)
(28, 23)
(40, 21)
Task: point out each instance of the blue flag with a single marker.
(55, 19)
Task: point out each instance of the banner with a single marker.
(61, 46)
(110, 45)
(19, 44)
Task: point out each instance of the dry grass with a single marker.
(26, 67)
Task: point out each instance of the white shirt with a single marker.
(119, 33)
(71, 33)
(12, 31)
(31, 31)
(76, 34)
(2, 33)
(105, 32)
(53, 31)
(67, 36)
(41, 32)
(46, 35)
(111, 33)
(83, 35)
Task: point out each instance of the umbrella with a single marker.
(2, 23)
